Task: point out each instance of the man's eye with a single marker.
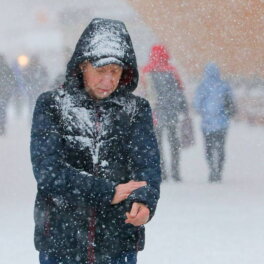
(115, 71)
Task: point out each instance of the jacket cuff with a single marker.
(148, 196)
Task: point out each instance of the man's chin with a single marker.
(102, 95)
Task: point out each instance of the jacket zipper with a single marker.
(92, 218)
(47, 218)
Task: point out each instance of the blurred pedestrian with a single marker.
(95, 155)
(166, 94)
(35, 80)
(7, 85)
(214, 102)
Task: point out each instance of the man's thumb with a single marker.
(134, 210)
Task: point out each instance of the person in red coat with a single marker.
(166, 94)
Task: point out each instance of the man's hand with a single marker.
(139, 215)
(122, 191)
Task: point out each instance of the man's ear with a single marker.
(83, 66)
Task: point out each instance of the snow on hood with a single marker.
(106, 41)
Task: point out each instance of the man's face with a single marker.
(102, 81)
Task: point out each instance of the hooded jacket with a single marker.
(82, 148)
(213, 100)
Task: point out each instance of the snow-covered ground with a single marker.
(196, 222)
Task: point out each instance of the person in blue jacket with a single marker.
(214, 102)
(94, 155)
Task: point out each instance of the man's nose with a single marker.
(108, 80)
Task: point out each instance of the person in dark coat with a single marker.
(169, 104)
(35, 80)
(214, 102)
(94, 155)
(7, 85)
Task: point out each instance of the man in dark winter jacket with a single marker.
(95, 155)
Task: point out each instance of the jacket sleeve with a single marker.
(182, 104)
(144, 158)
(55, 178)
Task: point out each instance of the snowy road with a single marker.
(195, 222)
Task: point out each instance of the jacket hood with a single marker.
(159, 62)
(105, 41)
(211, 70)
(158, 59)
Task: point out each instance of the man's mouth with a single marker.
(104, 90)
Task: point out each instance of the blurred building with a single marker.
(228, 32)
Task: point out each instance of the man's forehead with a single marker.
(107, 66)
(111, 66)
